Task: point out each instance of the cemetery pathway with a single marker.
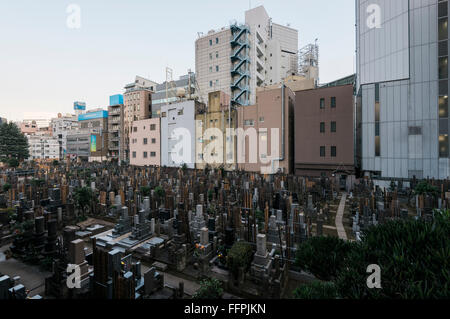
(340, 213)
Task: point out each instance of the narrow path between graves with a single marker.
(340, 213)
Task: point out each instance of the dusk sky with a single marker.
(46, 66)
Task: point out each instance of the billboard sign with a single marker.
(93, 143)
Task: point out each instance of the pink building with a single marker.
(145, 143)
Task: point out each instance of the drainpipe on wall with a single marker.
(283, 87)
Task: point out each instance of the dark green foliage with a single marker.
(322, 256)
(13, 144)
(145, 191)
(6, 187)
(424, 188)
(209, 289)
(184, 167)
(159, 192)
(240, 256)
(414, 257)
(83, 197)
(37, 182)
(13, 162)
(55, 163)
(316, 290)
(210, 195)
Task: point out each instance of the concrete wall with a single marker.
(268, 109)
(178, 117)
(309, 139)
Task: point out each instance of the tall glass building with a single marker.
(402, 86)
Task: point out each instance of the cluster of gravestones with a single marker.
(200, 214)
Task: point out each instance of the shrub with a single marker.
(316, 290)
(209, 289)
(240, 256)
(323, 256)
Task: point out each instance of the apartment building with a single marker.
(403, 88)
(43, 147)
(60, 128)
(178, 133)
(266, 137)
(324, 131)
(145, 143)
(116, 124)
(239, 58)
(90, 141)
(171, 91)
(138, 105)
(212, 123)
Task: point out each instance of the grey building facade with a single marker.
(402, 88)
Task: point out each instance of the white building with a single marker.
(60, 127)
(43, 147)
(240, 58)
(178, 134)
(402, 72)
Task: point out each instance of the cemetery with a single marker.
(106, 231)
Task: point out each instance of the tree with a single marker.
(55, 163)
(83, 197)
(210, 288)
(240, 256)
(6, 187)
(424, 188)
(13, 162)
(145, 191)
(159, 193)
(13, 144)
(322, 256)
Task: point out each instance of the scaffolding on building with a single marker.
(308, 61)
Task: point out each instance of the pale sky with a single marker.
(46, 66)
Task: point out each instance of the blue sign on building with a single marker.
(81, 106)
(116, 99)
(93, 115)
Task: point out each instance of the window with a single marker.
(217, 54)
(322, 151)
(443, 145)
(210, 83)
(443, 106)
(153, 140)
(217, 40)
(322, 127)
(152, 154)
(181, 112)
(210, 69)
(145, 141)
(164, 114)
(249, 123)
(210, 42)
(443, 68)
(333, 151)
(443, 29)
(134, 154)
(261, 119)
(210, 56)
(135, 129)
(145, 154)
(322, 103)
(333, 102)
(333, 127)
(217, 68)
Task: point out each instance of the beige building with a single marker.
(267, 146)
(138, 105)
(214, 120)
(145, 143)
(116, 124)
(242, 57)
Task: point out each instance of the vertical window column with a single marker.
(443, 78)
(377, 121)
